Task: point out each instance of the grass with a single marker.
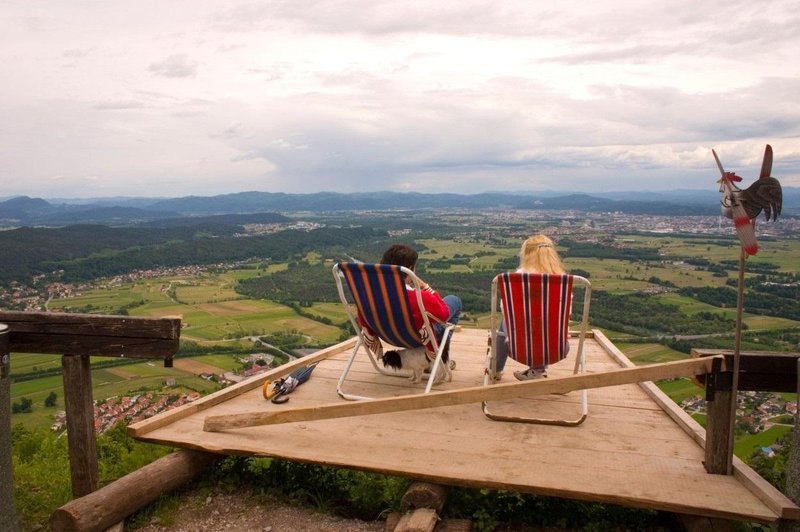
(642, 354)
(680, 389)
(747, 444)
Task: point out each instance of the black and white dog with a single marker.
(416, 360)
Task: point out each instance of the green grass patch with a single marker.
(747, 444)
(680, 389)
(643, 354)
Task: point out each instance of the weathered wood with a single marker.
(463, 396)
(717, 433)
(627, 438)
(421, 520)
(91, 334)
(8, 516)
(766, 492)
(424, 495)
(391, 521)
(165, 418)
(455, 525)
(758, 370)
(79, 406)
(112, 503)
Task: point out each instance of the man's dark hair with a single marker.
(401, 255)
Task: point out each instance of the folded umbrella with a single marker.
(283, 387)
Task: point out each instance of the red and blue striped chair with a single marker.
(378, 295)
(536, 308)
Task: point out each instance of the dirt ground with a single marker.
(247, 512)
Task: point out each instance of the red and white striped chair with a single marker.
(536, 309)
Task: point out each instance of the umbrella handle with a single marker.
(266, 392)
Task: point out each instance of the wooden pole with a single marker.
(80, 424)
(793, 467)
(681, 368)
(737, 343)
(8, 516)
(112, 503)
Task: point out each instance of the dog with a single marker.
(416, 360)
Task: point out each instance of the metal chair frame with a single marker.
(534, 329)
(408, 337)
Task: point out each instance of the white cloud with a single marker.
(195, 97)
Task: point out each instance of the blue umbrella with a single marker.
(285, 386)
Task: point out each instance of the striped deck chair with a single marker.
(378, 295)
(536, 309)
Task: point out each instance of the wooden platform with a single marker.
(637, 448)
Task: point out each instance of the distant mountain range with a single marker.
(26, 211)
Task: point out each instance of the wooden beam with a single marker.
(80, 424)
(718, 427)
(766, 492)
(112, 503)
(92, 334)
(8, 516)
(170, 416)
(422, 494)
(475, 394)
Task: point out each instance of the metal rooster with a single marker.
(743, 206)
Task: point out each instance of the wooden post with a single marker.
(793, 468)
(112, 503)
(8, 516)
(718, 430)
(80, 424)
(424, 495)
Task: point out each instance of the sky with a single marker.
(165, 98)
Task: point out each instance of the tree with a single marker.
(25, 405)
(51, 399)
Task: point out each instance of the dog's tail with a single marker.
(392, 359)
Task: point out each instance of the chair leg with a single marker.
(448, 331)
(580, 367)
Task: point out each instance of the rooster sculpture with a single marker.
(743, 206)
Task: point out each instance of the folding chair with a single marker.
(536, 309)
(379, 296)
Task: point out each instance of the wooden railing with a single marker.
(758, 371)
(76, 337)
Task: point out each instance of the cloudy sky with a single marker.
(196, 97)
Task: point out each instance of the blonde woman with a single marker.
(537, 255)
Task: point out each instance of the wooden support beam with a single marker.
(8, 516)
(718, 427)
(91, 334)
(682, 368)
(420, 520)
(111, 504)
(80, 424)
(424, 495)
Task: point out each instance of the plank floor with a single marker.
(629, 451)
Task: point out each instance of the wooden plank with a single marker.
(8, 516)
(91, 334)
(464, 396)
(681, 418)
(170, 416)
(766, 492)
(627, 443)
(401, 444)
(80, 424)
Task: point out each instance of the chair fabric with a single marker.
(381, 298)
(536, 310)
(380, 294)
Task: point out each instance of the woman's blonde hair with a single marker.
(538, 255)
